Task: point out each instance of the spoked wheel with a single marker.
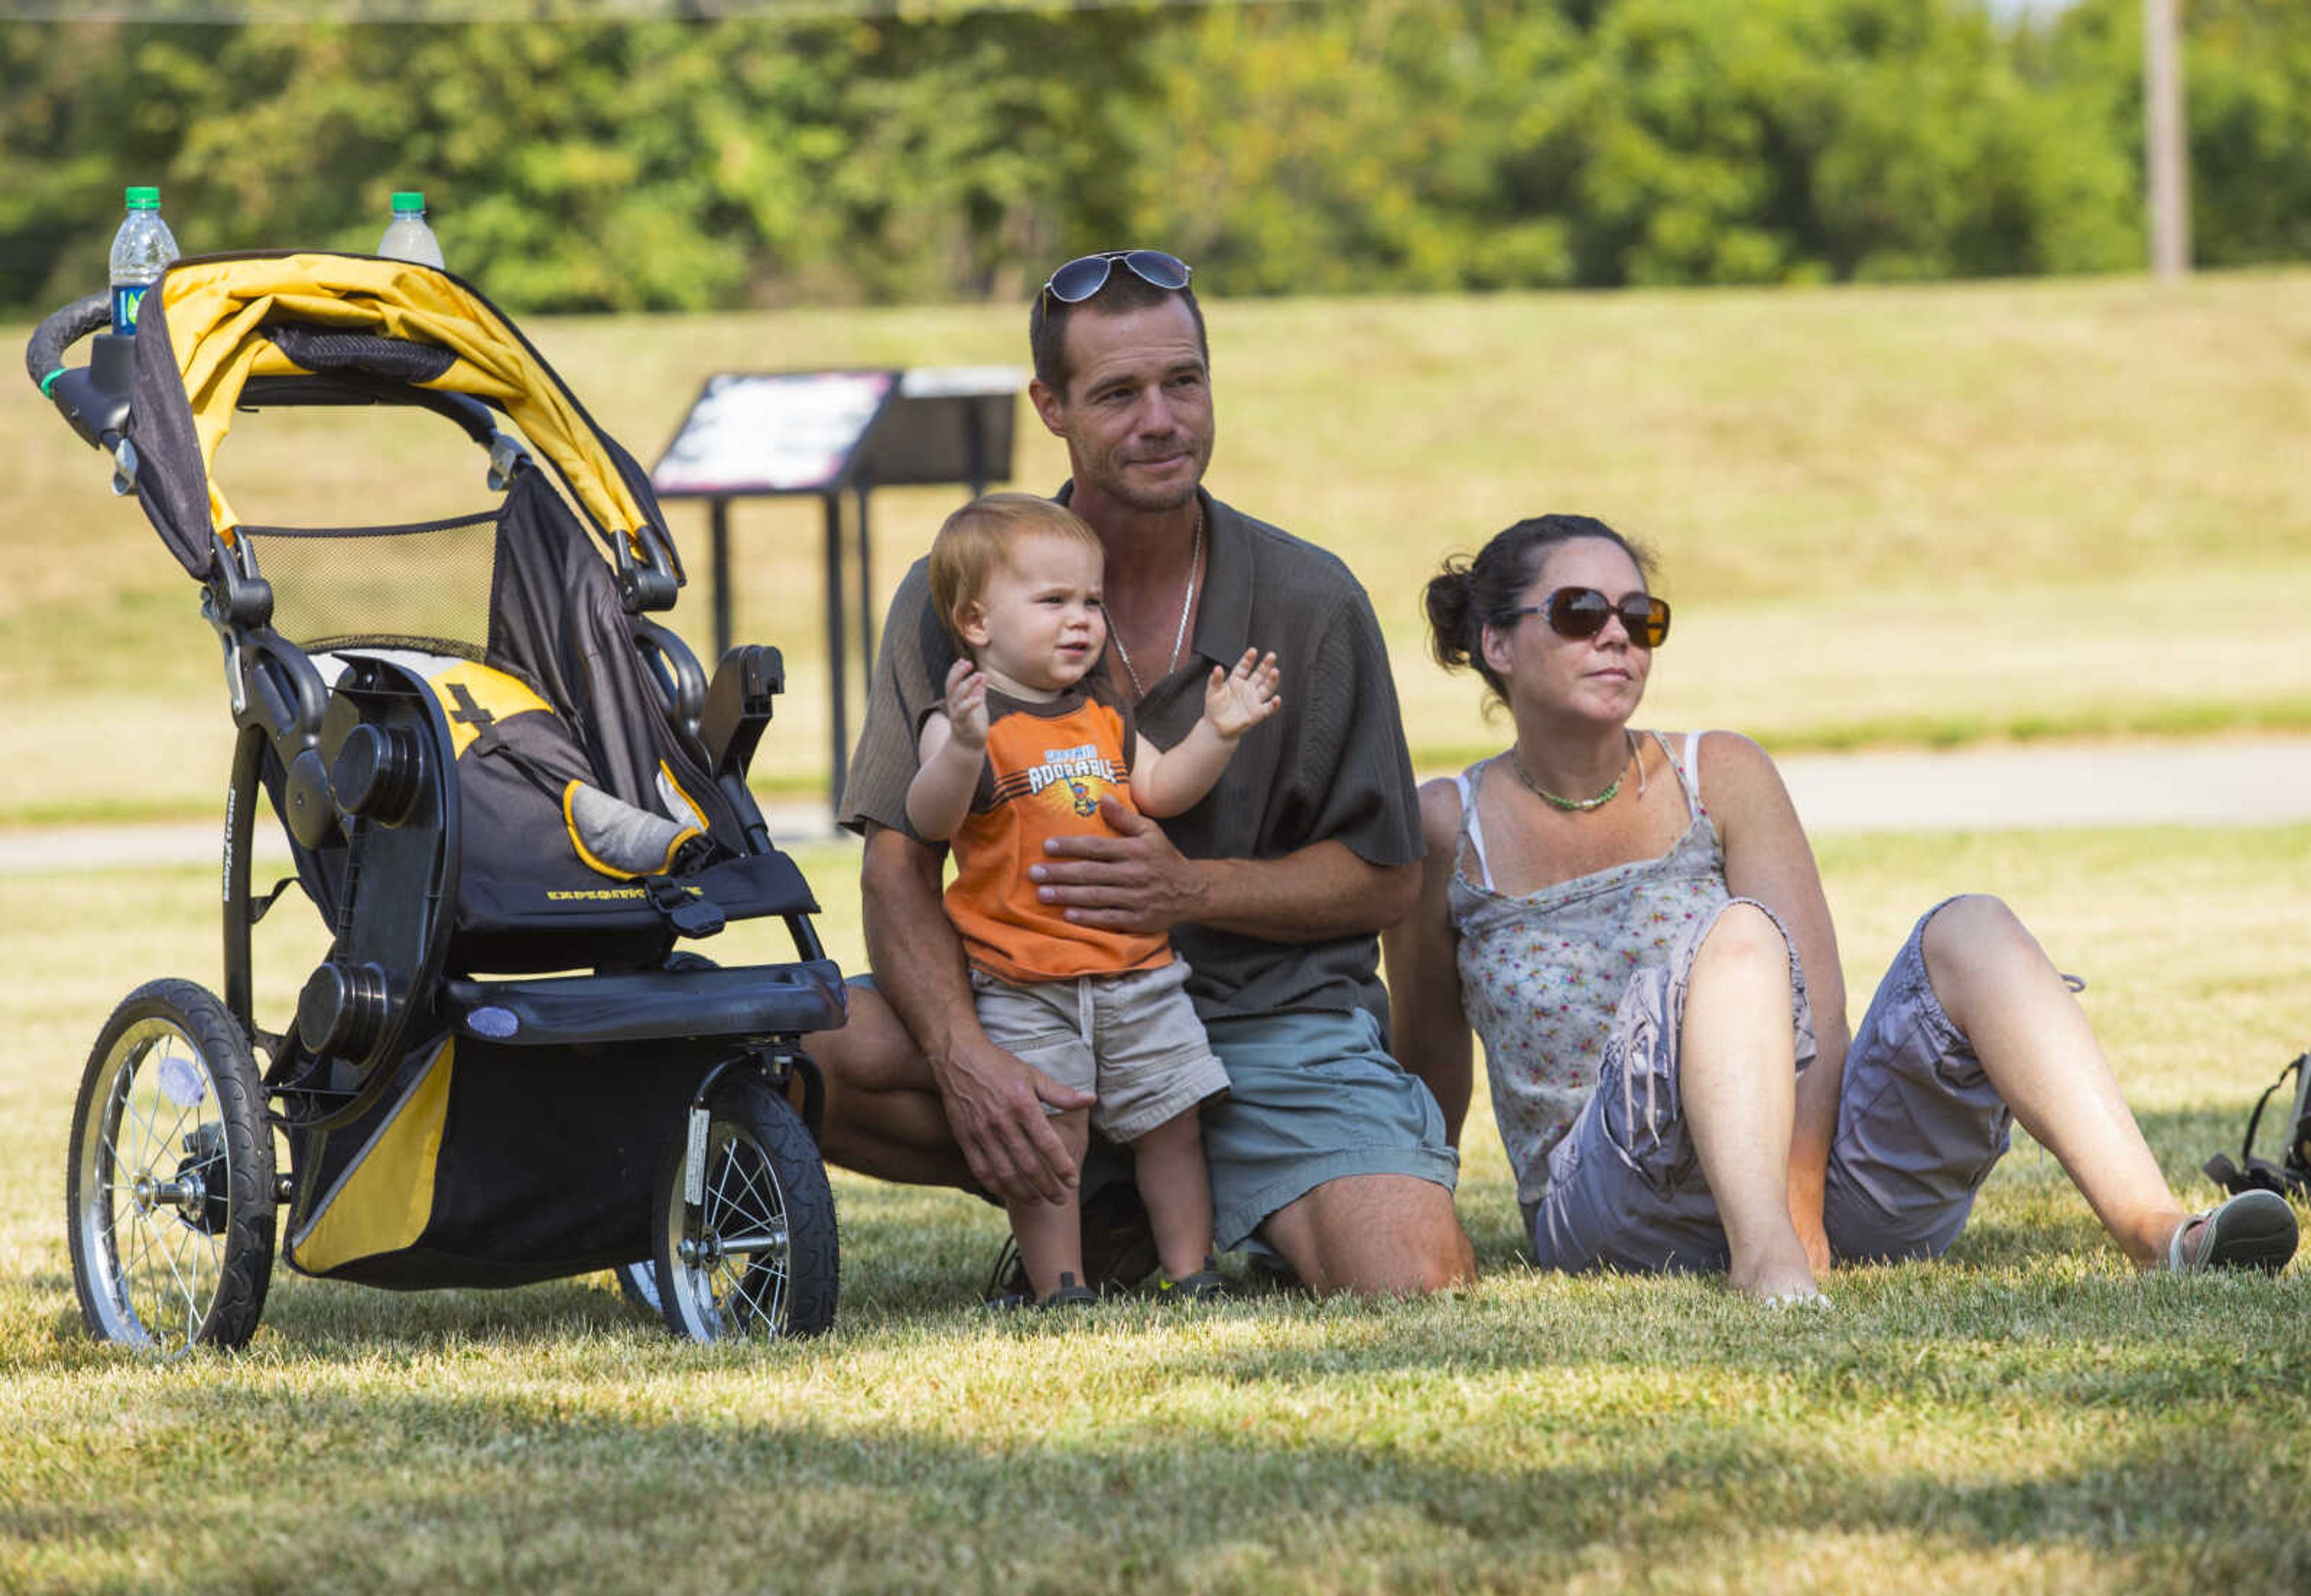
(638, 1283)
(757, 1257)
(169, 1197)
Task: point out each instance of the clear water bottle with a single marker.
(141, 252)
(406, 236)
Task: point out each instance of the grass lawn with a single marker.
(1906, 515)
(2028, 1416)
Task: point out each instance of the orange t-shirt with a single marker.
(1048, 765)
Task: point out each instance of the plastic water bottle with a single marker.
(141, 252)
(406, 236)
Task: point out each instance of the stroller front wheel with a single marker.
(637, 1283)
(758, 1256)
(169, 1195)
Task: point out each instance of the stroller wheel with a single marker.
(638, 1283)
(169, 1195)
(758, 1256)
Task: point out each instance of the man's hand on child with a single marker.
(1236, 701)
(966, 703)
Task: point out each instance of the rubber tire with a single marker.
(638, 1283)
(244, 1256)
(751, 1122)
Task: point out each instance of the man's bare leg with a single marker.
(1375, 1235)
(883, 1116)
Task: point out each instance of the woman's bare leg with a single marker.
(1738, 1071)
(2001, 991)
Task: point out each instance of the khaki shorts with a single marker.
(1133, 1041)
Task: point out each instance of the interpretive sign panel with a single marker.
(776, 432)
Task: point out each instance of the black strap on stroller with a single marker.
(2291, 1175)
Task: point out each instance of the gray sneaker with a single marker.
(1204, 1285)
(2255, 1230)
(1072, 1293)
(1119, 1248)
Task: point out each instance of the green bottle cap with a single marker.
(409, 199)
(144, 199)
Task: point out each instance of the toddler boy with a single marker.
(1031, 736)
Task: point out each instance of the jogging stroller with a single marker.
(510, 795)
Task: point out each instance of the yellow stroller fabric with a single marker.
(216, 309)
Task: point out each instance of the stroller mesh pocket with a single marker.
(423, 586)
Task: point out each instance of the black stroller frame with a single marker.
(488, 783)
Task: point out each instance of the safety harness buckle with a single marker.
(689, 913)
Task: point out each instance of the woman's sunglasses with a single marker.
(1087, 274)
(1583, 612)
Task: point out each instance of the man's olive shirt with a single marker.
(1329, 766)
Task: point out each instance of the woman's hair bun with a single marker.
(1451, 636)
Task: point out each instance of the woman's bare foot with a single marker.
(1781, 1274)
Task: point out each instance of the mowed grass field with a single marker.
(2030, 1416)
(1887, 515)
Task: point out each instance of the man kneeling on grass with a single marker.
(1271, 888)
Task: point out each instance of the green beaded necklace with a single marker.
(1578, 805)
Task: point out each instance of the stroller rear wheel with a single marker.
(758, 1255)
(169, 1195)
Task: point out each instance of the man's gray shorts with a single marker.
(1919, 1126)
(1313, 1097)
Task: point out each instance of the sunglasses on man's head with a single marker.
(1583, 612)
(1087, 274)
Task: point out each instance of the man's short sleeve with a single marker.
(1349, 780)
(909, 680)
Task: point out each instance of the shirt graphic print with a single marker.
(1048, 767)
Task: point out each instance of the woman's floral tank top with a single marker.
(1541, 975)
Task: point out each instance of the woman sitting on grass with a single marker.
(1634, 923)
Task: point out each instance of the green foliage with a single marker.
(2247, 82)
(942, 152)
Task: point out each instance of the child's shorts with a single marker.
(1919, 1126)
(1132, 1039)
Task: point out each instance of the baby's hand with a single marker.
(1236, 701)
(966, 704)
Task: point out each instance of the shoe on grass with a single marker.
(2255, 1230)
(1119, 1248)
(1006, 1285)
(1070, 1295)
(1119, 1243)
(1204, 1285)
(1266, 1273)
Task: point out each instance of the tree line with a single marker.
(944, 152)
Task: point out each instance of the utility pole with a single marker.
(2165, 149)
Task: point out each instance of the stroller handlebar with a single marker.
(93, 399)
(44, 355)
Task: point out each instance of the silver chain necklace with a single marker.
(1187, 603)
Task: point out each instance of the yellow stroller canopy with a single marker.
(222, 317)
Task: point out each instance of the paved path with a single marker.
(2221, 781)
(2226, 781)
